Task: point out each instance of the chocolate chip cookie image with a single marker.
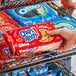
(45, 37)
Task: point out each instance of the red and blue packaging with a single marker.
(6, 23)
(32, 71)
(39, 70)
(32, 39)
(23, 72)
(5, 56)
(3, 29)
(6, 19)
(34, 14)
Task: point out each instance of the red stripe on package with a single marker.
(4, 19)
(4, 28)
(32, 39)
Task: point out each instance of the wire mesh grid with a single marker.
(9, 4)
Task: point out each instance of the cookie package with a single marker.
(32, 39)
(6, 57)
(66, 22)
(30, 15)
(22, 72)
(6, 19)
(3, 29)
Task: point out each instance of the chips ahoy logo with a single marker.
(25, 10)
(6, 51)
(28, 34)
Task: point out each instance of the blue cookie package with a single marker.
(7, 74)
(39, 71)
(23, 72)
(30, 15)
(65, 23)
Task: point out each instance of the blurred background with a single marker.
(67, 5)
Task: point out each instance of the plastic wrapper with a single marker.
(6, 19)
(32, 39)
(30, 15)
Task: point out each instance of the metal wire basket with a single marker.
(39, 59)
